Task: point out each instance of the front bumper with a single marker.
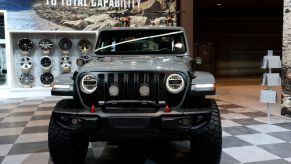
(112, 126)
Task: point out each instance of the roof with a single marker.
(143, 28)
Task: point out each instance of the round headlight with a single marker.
(144, 90)
(88, 84)
(113, 90)
(175, 83)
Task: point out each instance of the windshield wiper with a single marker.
(138, 39)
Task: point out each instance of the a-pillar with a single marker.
(186, 20)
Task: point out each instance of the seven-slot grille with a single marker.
(129, 84)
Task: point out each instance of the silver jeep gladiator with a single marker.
(139, 85)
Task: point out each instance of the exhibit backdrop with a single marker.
(87, 15)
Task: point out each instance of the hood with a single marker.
(137, 64)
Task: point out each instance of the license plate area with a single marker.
(129, 122)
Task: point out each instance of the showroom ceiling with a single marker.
(238, 4)
(230, 8)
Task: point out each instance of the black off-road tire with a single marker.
(206, 143)
(66, 147)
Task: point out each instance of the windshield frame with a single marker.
(168, 32)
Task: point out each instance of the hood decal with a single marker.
(137, 64)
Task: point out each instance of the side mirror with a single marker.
(196, 60)
(80, 62)
(83, 60)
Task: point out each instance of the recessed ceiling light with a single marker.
(219, 4)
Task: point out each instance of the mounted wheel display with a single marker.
(206, 143)
(46, 63)
(65, 44)
(66, 64)
(47, 78)
(65, 146)
(85, 45)
(25, 64)
(46, 45)
(26, 79)
(25, 45)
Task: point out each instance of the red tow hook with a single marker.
(167, 109)
(92, 110)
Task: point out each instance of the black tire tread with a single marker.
(206, 143)
(66, 147)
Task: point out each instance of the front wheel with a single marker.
(206, 143)
(66, 147)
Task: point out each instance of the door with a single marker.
(205, 52)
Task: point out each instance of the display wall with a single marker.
(73, 19)
(90, 15)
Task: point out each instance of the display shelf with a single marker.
(7, 93)
(2, 41)
(31, 89)
(36, 54)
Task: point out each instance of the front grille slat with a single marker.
(129, 84)
(101, 87)
(152, 86)
(110, 82)
(110, 78)
(121, 85)
(162, 89)
(141, 81)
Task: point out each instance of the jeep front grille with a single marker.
(129, 84)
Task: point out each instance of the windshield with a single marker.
(141, 42)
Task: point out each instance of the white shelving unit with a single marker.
(35, 36)
(4, 42)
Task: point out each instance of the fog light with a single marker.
(65, 119)
(185, 122)
(199, 119)
(80, 62)
(144, 90)
(113, 90)
(75, 121)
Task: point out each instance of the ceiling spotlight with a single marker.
(218, 4)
